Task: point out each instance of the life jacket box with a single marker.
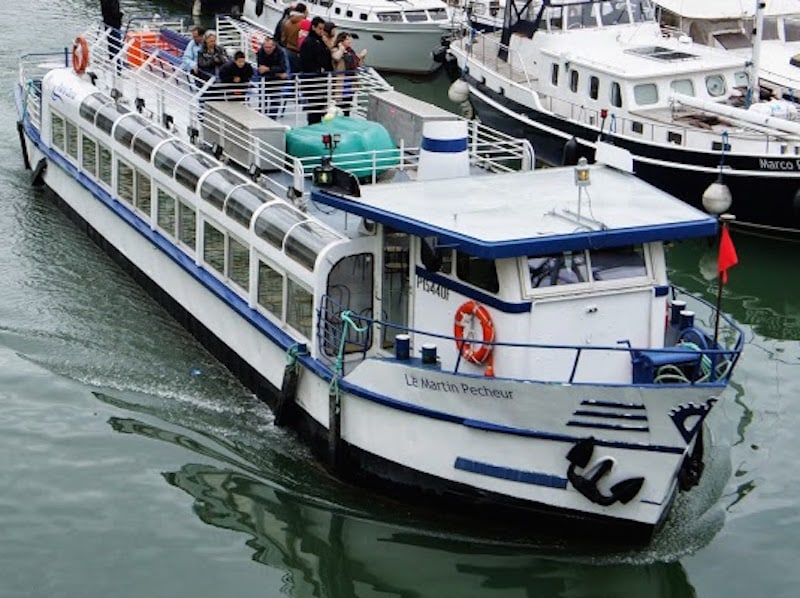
(246, 136)
(362, 146)
(404, 116)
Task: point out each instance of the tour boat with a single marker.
(398, 36)
(567, 73)
(771, 38)
(458, 330)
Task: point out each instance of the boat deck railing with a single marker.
(679, 126)
(690, 356)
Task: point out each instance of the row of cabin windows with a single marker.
(225, 254)
(646, 94)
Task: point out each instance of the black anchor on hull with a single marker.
(579, 457)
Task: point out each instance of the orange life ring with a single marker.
(80, 55)
(465, 316)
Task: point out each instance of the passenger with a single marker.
(271, 66)
(278, 35)
(345, 58)
(112, 19)
(305, 27)
(291, 33)
(210, 57)
(235, 76)
(189, 58)
(330, 35)
(315, 60)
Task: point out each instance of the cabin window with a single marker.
(125, 181)
(169, 154)
(438, 14)
(416, 16)
(741, 79)
(214, 247)
(189, 170)
(674, 137)
(715, 85)
(554, 74)
(594, 87)
(243, 202)
(239, 263)
(104, 164)
(645, 94)
(559, 269)
(146, 140)
(91, 104)
(270, 289)
(337, 10)
(305, 241)
(478, 272)
(274, 221)
(143, 190)
(187, 225)
(107, 115)
(616, 95)
(89, 155)
(390, 17)
(72, 139)
(300, 307)
(166, 212)
(217, 185)
(618, 262)
(573, 80)
(615, 13)
(637, 127)
(684, 86)
(57, 130)
(348, 13)
(128, 127)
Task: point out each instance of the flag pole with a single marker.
(724, 219)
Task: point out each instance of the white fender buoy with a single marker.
(459, 91)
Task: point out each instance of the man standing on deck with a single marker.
(112, 19)
(315, 59)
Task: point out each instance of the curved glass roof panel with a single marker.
(306, 240)
(192, 167)
(244, 201)
(147, 139)
(275, 221)
(107, 116)
(169, 154)
(91, 104)
(218, 185)
(128, 126)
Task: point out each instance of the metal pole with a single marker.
(724, 219)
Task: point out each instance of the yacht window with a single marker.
(792, 28)
(89, 155)
(348, 13)
(416, 16)
(91, 104)
(614, 13)
(270, 289)
(214, 247)
(273, 222)
(616, 95)
(105, 164)
(239, 263)
(300, 307)
(337, 10)
(72, 139)
(146, 140)
(594, 87)
(187, 225)
(191, 168)
(618, 262)
(217, 185)
(554, 74)
(715, 85)
(645, 94)
(390, 17)
(555, 18)
(438, 14)
(143, 193)
(169, 154)
(770, 29)
(127, 127)
(559, 269)
(476, 271)
(684, 86)
(243, 202)
(304, 242)
(573, 80)
(107, 115)
(741, 79)
(166, 211)
(125, 181)
(57, 130)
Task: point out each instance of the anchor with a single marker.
(579, 456)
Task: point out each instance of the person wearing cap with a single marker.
(271, 63)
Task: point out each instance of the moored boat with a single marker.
(567, 74)
(458, 328)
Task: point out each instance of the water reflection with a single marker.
(326, 543)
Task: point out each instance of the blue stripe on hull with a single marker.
(507, 473)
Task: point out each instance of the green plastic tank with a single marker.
(358, 138)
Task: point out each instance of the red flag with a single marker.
(727, 255)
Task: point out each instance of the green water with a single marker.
(133, 464)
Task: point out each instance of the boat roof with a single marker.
(528, 213)
(727, 9)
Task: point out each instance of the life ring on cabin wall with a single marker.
(80, 55)
(463, 326)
